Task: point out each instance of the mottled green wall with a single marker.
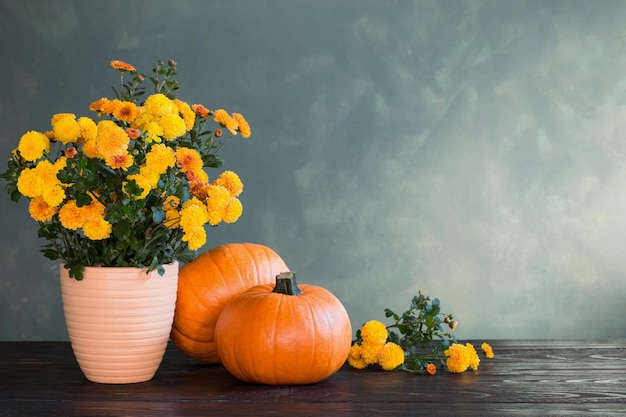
(471, 149)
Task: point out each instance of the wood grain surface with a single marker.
(526, 377)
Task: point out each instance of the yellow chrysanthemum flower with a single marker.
(97, 229)
(171, 203)
(90, 149)
(111, 139)
(355, 359)
(231, 181)
(188, 115)
(172, 219)
(243, 125)
(153, 131)
(195, 237)
(160, 158)
(193, 213)
(390, 356)
(88, 128)
(152, 176)
(142, 182)
(158, 105)
(370, 351)
(487, 350)
(173, 126)
(54, 195)
(474, 360)
(65, 127)
(458, 358)
(40, 210)
(71, 216)
(33, 145)
(233, 211)
(29, 183)
(222, 117)
(374, 332)
(217, 201)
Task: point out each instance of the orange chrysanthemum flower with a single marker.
(244, 127)
(223, 118)
(188, 159)
(122, 66)
(121, 161)
(431, 369)
(201, 111)
(126, 111)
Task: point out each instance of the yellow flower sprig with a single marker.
(128, 187)
(416, 342)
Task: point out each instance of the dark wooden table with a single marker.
(527, 377)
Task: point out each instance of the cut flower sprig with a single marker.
(128, 186)
(416, 342)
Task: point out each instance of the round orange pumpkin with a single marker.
(208, 283)
(284, 334)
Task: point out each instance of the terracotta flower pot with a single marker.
(119, 321)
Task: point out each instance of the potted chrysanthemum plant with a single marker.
(125, 191)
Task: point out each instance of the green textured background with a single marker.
(471, 149)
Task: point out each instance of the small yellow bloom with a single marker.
(474, 360)
(142, 182)
(458, 358)
(158, 105)
(97, 229)
(29, 183)
(171, 203)
(173, 126)
(233, 210)
(160, 158)
(71, 216)
(54, 194)
(40, 210)
(188, 115)
(65, 127)
(33, 145)
(370, 351)
(111, 139)
(217, 201)
(88, 128)
(374, 332)
(355, 359)
(390, 356)
(487, 350)
(231, 181)
(172, 219)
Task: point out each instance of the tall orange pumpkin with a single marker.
(208, 283)
(284, 334)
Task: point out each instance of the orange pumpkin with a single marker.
(208, 283)
(284, 334)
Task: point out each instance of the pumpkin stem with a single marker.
(286, 284)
